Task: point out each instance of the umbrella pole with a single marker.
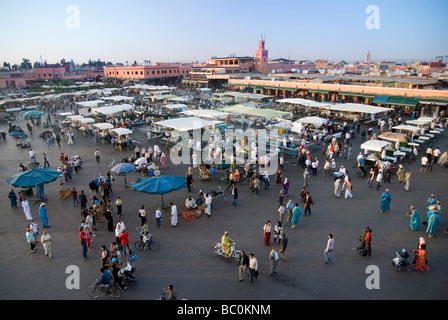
(125, 182)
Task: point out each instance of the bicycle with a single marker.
(94, 291)
(140, 245)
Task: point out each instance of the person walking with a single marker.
(109, 219)
(253, 267)
(308, 203)
(26, 209)
(119, 204)
(142, 215)
(281, 213)
(385, 201)
(407, 180)
(32, 156)
(31, 240)
(173, 214)
(43, 215)
(296, 213)
(82, 237)
(159, 217)
(379, 178)
(74, 194)
(371, 177)
(46, 163)
(97, 155)
(235, 195)
(267, 232)
(273, 258)
(243, 266)
(289, 208)
(368, 242)
(329, 249)
(414, 222)
(45, 239)
(283, 246)
(82, 200)
(12, 198)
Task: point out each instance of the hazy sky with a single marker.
(190, 30)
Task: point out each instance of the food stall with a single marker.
(373, 150)
(121, 136)
(102, 131)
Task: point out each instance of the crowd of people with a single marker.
(101, 202)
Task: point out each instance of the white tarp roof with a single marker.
(317, 122)
(422, 121)
(407, 128)
(75, 117)
(112, 109)
(306, 103)
(86, 120)
(357, 108)
(205, 113)
(103, 125)
(121, 131)
(118, 98)
(186, 124)
(375, 145)
(90, 104)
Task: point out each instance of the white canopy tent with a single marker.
(90, 104)
(121, 131)
(357, 108)
(187, 124)
(103, 125)
(118, 98)
(86, 120)
(306, 103)
(406, 127)
(374, 145)
(108, 110)
(206, 113)
(317, 122)
(75, 117)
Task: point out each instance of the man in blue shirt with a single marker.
(105, 277)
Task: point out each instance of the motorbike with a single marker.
(219, 194)
(235, 254)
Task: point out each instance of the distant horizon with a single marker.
(186, 32)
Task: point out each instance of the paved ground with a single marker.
(186, 257)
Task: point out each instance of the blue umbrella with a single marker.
(33, 178)
(15, 134)
(123, 169)
(159, 184)
(33, 114)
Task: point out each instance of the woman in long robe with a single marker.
(285, 186)
(385, 201)
(414, 222)
(337, 188)
(400, 173)
(433, 222)
(296, 213)
(407, 180)
(420, 261)
(26, 209)
(12, 198)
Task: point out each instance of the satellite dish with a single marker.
(419, 75)
(272, 71)
(293, 70)
(305, 71)
(433, 74)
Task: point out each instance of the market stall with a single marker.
(374, 150)
(122, 138)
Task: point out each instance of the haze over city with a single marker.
(189, 31)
